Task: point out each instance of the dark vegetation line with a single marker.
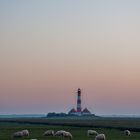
(20, 121)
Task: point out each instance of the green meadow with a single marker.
(78, 132)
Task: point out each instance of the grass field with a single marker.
(79, 133)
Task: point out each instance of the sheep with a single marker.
(100, 137)
(59, 133)
(48, 133)
(25, 132)
(67, 135)
(127, 132)
(21, 133)
(18, 134)
(64, 134)
(91, 132)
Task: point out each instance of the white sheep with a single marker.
(92, 132)
(48, 133)
(25, 132)
(18, 134)
(59, 133)
(127, 132)
(67, 135)
(100, 137)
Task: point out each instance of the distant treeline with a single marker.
(53, 114)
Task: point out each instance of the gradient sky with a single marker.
(49, 48)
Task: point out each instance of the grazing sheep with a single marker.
(59, 133)
(18, 134)
(67, 135)
(64, 134)
(92, 132)
(48, 133)
(25, 132)
(127, 132)
(100, 137)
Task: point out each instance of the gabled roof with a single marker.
(72, 111)
(85, 111)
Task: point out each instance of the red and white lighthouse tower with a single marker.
(79, 108)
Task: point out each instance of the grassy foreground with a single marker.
(79, 133)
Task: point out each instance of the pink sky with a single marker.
(49, 49)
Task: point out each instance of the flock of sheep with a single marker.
(65, 134)
(62, 133)
(102, 136)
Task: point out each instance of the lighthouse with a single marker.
(78, 111)
(79, 108)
